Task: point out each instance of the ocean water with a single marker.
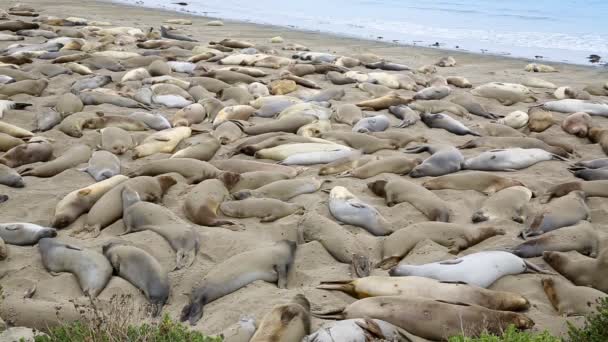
(556, 30)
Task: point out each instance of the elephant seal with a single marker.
(509, 142)
(506, 204)
(348, 113)
(289, 124)
(356, 330)
(242, 166)
(140, 215)
(90, 83)
(116, 140)
(444, 159)
(286, 322)
(199, 147)
(119, 121)
(509, 159)
(459, 81)
(448, 318)
(286, 151)
(82, 200)
(574, 106)
(267, 209)
(8, 141)
(535, 67)
(68, 104)
(10, 177)
(506, 93)
(400, 137)
(439, 106)
(103, 165)
(32, 152)
(433, 93)
(515, 120)
(363, 142)
(92, 270)
(384, 102)
(581, 237)
(571, 300)
(140, 269)
(412, 286)
(346, 163)
(195, 171)
(407, 115)
(562, 212)
(446, 122)
(274, 141)
(74, 156)
(347, 208)
(591, 174)
(15, 131)
(539, 119)
(494, 264)
(456, 237)
(241, 331)
(203, 202)
(155, 121)
(270, 264)
(397, 191)
(163, 141)
(109, 207)
(256, 179)
(581, 270)
(577, 124)
(485, 182)
(597, 188)
(283, 190)
(24, 234)
(189, 115)
(376, 123)
(472, 106)
(29, 87)
(396, 165)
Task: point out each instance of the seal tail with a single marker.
(556, 157)
(338, 285)
(335, 314)
(532, 268)
(468, 144)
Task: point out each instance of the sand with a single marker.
(36, 202)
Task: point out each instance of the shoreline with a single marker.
(507, 52)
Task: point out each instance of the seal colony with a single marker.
(236, 183)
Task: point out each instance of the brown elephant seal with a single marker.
(28, 87)
(267, 209)
(485, 182)
(68, 104)
(344, 164)
(598, 135)
(364, 142)
(140, 269)
(577, 124)
(506, 204)
(273, 141)
(189, 115)
(401, 138)
(8, 141)
(91, 268)
(236, 95)
(347, 208)
(539, 119)
(109, 207)
(18, 25)
(571, 300)
(72, 157)
(124, 122)
(10, 177)
(256, 179)
(193, 170)
(562, 212)
(447, 318)
(396, 165)
(506, 93)
(581, 270)
(24, 234)
(139, 215)
(384, 102)
(116, 140)
(32, 152)
(581, 237)
(81, 201)
(289, 124)
(376, 286)
(285, 322)
(201, 147)
(73, 124)
(163, 141)
(283, 190)
(227, 133)
(397, 191)
(509, 142)
(439, 106)
(270, 264)
(454, 236)
(242, 166)
(598, 188)
(203, 201)
(472, 106)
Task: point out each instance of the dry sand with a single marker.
(36, 202)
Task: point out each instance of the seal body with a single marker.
(485, 182)
(203, 201)
(507, 204)
(349, 209)
(582, 238)
(283, 190)
(562, 212)
(508, 159)
(267, 209)
(286, 322)
(24, 234)
(582, 271)
(443, 160)
(570, 300)
(103, 165)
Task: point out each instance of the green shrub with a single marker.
(595, 328)
(510, 335)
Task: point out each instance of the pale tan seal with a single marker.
(256, 179)
(193, 170)
(286, 322)
(116, 140)
(439, 106)
(509, 142)
(571, 300)
(582, 271)
(267, 209)
(505, 93)
(29, 87)
(273, 141)
(142, 270)
(242, 166)
(164, 141)
(349, 209)
(401, 138)
(376, 286)
(364, 142)
(345, 164)
(397, 191)
(289, 124)
(72, 157)
(454, 236)
(539, 119)
(10, 177)
(124, 122)
(8, 141)
(581, 237)
(396, 165)
(201, 147)
(270, 264)
(189, 115)
(91, 268)
(81, 201)
(384, 102)
(227, 132)
(485, 182)
(506, 204)
(577, 124)
(203, 201)
(432, 319)
(348, 114)
(32, 152)
(597, 188)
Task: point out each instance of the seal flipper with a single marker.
(451, 262)
(192, 312)
(372, 328)
(388, 263)
(532, 268)
(361, 265)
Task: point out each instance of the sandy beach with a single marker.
(36, 202)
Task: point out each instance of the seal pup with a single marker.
(267, 209)
(24, 234)
(82, 200)
(577, 124)
(15, 131)
(396, 165)
(376, 123)
(10, 177)
(485, 182)
(155, 121)
(472, 106)
(8, 141)
(201, 147)
(140, 269)
(509, 142)
(449, 318)
(356, 330)
(195, 171)
(203, 201)
(509, 159)
(571, 300)
(562, 212)
(480, 269)
(91, 268)
(581, 270)
(539, 119)
(591, 174)
(574, 106)
(581, 237)
(439, 106)
(407, 115)
(397, 191)
(347, 208)
(590, 188)
(270, 264)
(506, 93)
(242, 166)
(283, 190)
(363, 142)
(102, 165)
(444, 159)
(74, 156)
(32, 152)
(456, 237)
(241, 331)
(116, 140)
(446, 122)
(163, 141)
(376, 286)
(286, 322)
(506, 204)
(384, 102)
